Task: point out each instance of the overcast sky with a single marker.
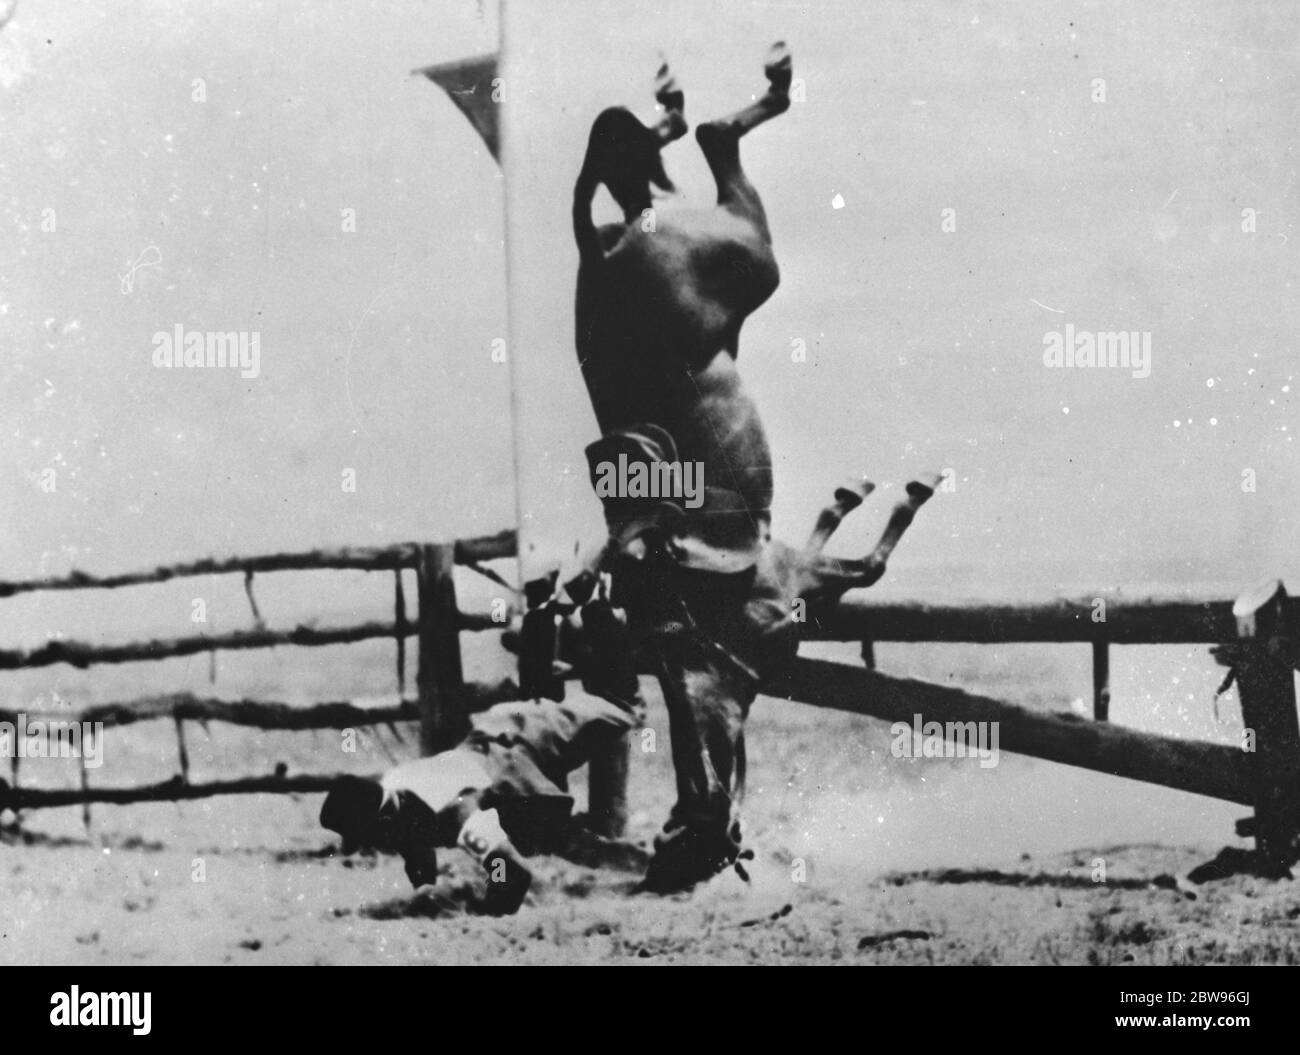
(924, 346)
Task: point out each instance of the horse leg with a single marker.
(720, 140)
(668, 94)
(828, 578)
(846, 500)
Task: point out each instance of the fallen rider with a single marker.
(500, 793)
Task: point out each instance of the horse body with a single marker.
(658, 329)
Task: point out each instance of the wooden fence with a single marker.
(1256, 637)
(442, 702)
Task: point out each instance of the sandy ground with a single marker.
(861, 857)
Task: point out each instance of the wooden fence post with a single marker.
(1266, 687)
(1101, 681)
(444, 719)
(607, 790)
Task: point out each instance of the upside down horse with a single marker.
(709, 595)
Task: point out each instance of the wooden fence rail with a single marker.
(82, 654)
(1188, 765)
(259, 714)
(381, 558)
(1153, 621)
(500, 546)
(175, 789)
